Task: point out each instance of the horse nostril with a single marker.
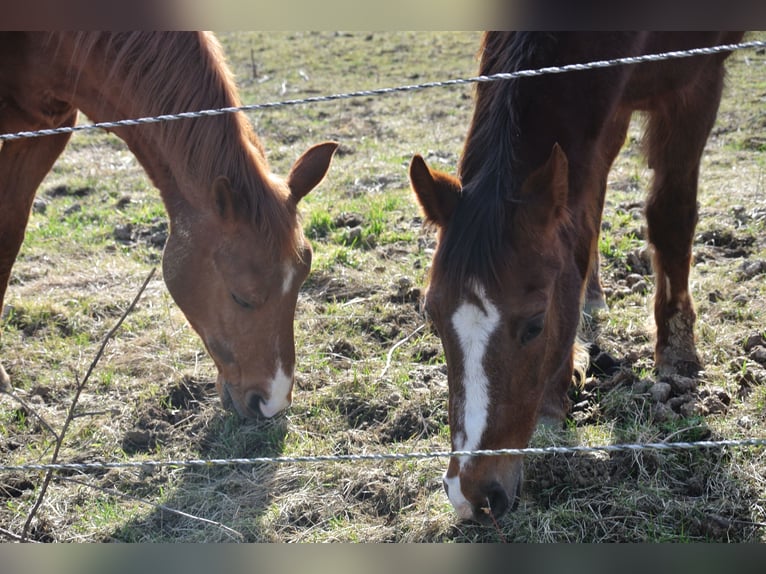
(253, 401)
(497, 500)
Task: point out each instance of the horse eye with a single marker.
(241, 302)
(532, 329)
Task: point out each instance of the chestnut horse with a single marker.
(518, 230)
(236, 255)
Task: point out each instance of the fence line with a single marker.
(152, 464)
(630, 60)
(633, 447)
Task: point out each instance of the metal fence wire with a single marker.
(631, 447)
(632, 60)
(389, 456)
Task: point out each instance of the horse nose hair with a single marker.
(253, 401)
(497, 500)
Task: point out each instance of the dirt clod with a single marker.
(681, 385)
(660, 392)
(136, 441)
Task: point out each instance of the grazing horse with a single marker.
(518, 229)
(236, 255)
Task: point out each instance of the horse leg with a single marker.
(23, 165)
(611, 142)
(595, 302)
(555, 402)
(677, 131)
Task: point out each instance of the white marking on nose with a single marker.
(474, 326)
(287, 282)
(463, 508)
(279, 399)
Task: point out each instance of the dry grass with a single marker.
(368, 379)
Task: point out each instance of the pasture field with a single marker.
(370, 372)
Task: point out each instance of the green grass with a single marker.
(74, 278)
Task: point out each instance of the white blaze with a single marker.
(474, 325)
(280, 386)
(282, 381)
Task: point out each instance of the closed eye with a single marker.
(241, 302)
(532, 329)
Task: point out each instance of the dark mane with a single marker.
(516, 123)
(489, 165)
(176, 72)
(518, 255)
(495, 124)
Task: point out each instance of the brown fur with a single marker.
(146, 64)
(236, 254)
(525, 223)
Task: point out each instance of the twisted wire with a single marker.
(631, 60)
(547, 450)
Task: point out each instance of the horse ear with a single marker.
(546, 190)
(225, 202)
(309, 170)
(437, 192)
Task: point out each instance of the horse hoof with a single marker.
(686, 368)
(595, 307)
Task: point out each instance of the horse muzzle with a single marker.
(252, 405)
(484, 501)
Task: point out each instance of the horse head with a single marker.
(505, 338)
(238, 290)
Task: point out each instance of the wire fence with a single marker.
(597, 64)
(149, 464)
(387, 456)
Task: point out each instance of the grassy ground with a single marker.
(370, 378)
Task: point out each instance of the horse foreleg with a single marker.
(594, 302)
(675, 350)
(676, 136)
(610, 143)
(23, 165)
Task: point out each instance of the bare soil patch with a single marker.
(371, 374)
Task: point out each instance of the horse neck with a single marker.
(139, 75)
(517, 122)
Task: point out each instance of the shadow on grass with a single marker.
(211, 503)
(647, 496)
